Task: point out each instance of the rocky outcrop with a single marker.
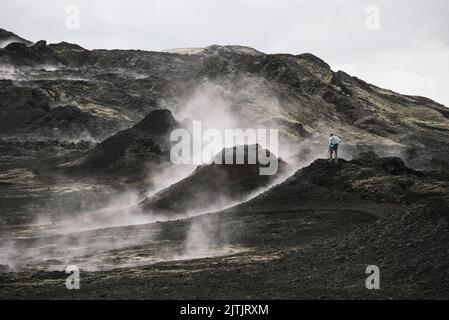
(7, 37)
(134, 151)
(367, 182)
(21, 54)
(215, 186)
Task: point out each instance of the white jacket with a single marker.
(334, 140)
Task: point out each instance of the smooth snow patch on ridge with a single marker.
(213, 48)
(185, 50)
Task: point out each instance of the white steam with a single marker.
(119, 233)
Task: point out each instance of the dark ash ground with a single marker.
(316, 245)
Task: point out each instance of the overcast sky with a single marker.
(406, 49)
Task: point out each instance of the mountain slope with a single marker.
(368, 181)
(297, 94)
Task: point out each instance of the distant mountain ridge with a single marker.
(7, 37)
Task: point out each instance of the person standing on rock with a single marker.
(334, 141)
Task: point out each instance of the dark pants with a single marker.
(333, 149)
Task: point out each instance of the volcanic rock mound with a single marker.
(214, 186)
(132, 151)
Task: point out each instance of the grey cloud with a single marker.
(410, 47)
